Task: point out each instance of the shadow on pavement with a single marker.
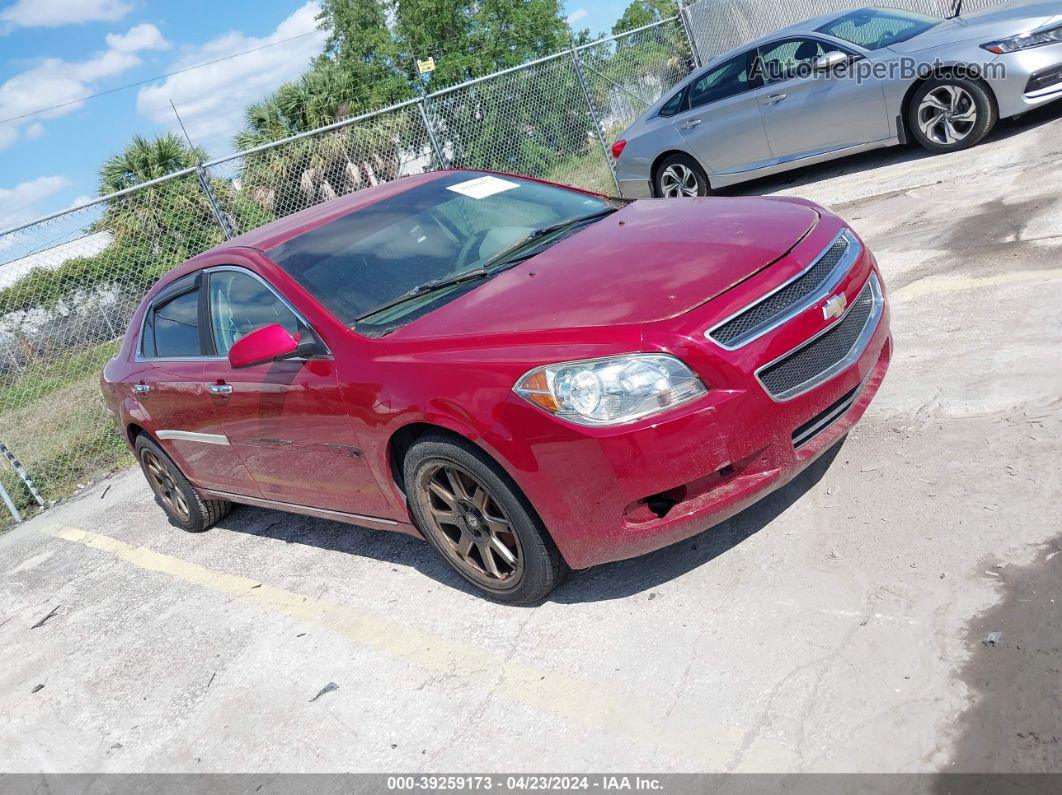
(1015, 723)
(612, 581)
(629, 577)
(881, 158)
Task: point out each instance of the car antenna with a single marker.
(956, 9)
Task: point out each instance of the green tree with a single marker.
(470, 39)
(369, 74)
(162, 224)
(306, 171)
(644, 12)
(144, 159)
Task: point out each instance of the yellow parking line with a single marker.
(685, 732)
(948, 284)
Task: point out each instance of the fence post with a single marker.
(10, 504)
(687, 28)
(440, 154)
(223, 222)
(23, 475)
(593, 114)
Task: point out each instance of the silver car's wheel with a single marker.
(947, 115)
(950, 113)
(678, 180)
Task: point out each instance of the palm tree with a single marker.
(159, 226)
(301, 173)
(145, 159)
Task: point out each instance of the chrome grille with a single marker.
(792, 297)
(825, 355)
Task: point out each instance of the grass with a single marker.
(53, 419)
(588, 170)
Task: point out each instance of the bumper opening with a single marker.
(824, 419)
(657, 506)
(1046, 78)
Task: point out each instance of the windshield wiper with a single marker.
(506, 258)
(428, 287)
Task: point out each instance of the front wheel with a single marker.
(480, 523)
(951, 113)
(680, 176)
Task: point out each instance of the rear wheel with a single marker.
(174, 493)
(951, 113)
(480, 523)
(680, 176)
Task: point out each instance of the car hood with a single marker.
(653, 259)
(986, 25)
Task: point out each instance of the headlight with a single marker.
(1024, 41)
(612, 390)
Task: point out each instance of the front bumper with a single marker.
(611, 494)
(1027, 84)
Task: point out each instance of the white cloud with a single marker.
(17, 203)
(211, 99)
(577, 14)
(56, 13)
(55, 81)
(139, 37)
(35, 131)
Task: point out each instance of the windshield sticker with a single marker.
(482, 187)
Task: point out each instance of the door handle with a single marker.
(774, 99)
(141, 389)
(690, 124)
(223, 390)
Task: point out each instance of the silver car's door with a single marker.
(807, 112)
(722, 125)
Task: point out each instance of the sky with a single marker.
(57, 52)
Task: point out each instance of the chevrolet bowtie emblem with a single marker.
(835, 306)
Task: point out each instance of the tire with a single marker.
(948, 114)
(173, 493)
(495, 540)
(680, 176)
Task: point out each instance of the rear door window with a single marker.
(673, 105)
(171, 329)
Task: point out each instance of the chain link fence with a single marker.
(68, 286)
(70, 282)
(720, 25)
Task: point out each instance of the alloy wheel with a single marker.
(471, 527)
(947, 114)
(164, 485)
(678, 180)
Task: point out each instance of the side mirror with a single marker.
(267, 344)
(830, 61)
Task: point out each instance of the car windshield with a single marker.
(874, 28)
(392, 261)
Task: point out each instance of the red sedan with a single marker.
(534, 378)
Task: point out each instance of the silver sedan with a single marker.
(841, 84)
